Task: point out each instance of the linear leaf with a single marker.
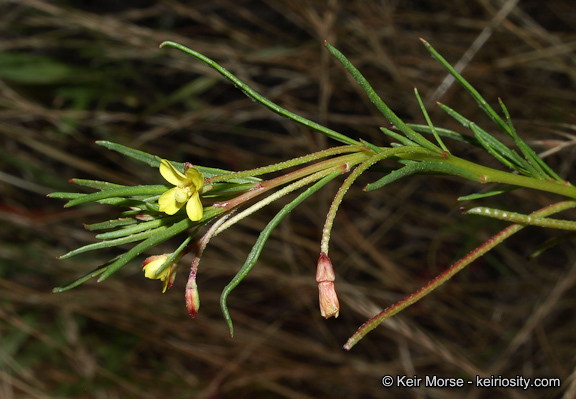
(262, 238)
(262, 100)
(125, 191)
(377, 101)
(112, 243)
(421, 168)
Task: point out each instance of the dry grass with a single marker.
(94, 71)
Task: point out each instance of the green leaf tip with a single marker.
(379, 103)
(261, 99)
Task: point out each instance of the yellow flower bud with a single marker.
(151, 266)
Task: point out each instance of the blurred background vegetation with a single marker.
(72, 72)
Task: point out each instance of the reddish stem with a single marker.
(447, 274)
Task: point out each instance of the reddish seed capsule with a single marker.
(329, 306)
(192, 298)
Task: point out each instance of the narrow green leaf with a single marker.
(113, 243)
(426, 167)
(154, 161)
(262, 238)
(501, 158)
(495, 147)
(96, 272)
(147, 244)
(262, 100)
(377, 101)
(371, 146)
(149, 159)
(468, 87)
(427, 117)
(61, 195)
(109, 201)
(125, 191)
(174, 254)
(131, 203)
(487, 194)
(399, 137)
(100, 185)
(133, 229)
(533, 159)
(156, 239)
(110, 224)
(487, 138)
(446, 133)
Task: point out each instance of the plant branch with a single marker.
(451, 271)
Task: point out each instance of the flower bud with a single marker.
(325, 277)
(324, 269)
(192, 298)
(153, 263)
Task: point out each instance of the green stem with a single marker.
(325, 240)
(384, 153)
(489, 175)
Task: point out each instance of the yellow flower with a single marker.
(153, 263)
(186, 191)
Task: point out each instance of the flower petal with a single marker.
(329, 306)
(171, 174)
(152, 264)
(194, 175)
(170, 279)
(167, 202)
(194, 207)
(166, 279)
